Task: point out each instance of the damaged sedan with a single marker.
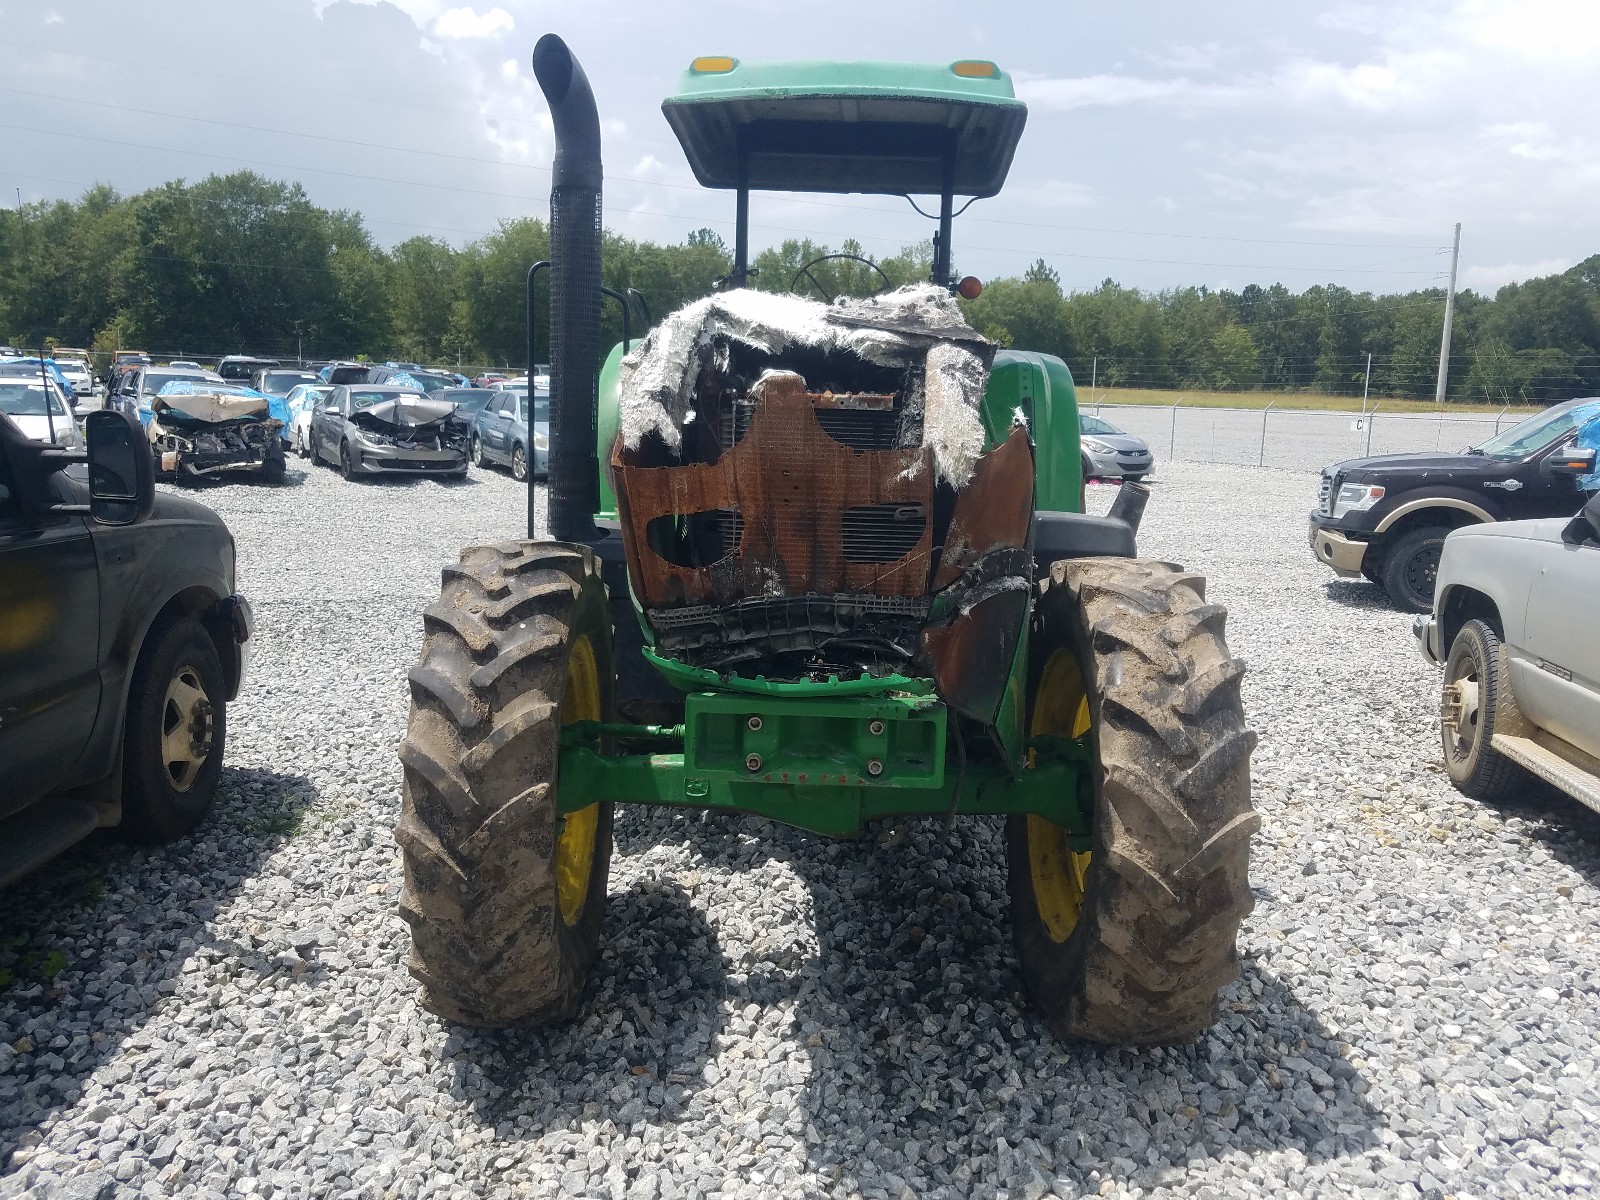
(365, 430)
(200, 429)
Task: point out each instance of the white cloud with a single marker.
(1492, 279)
(1114, 90)
(467, 23)
(54, 18)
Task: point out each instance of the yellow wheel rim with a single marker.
(575, 846)
(1060, 874)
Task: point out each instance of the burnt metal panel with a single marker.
(791, 483)
(993, 512)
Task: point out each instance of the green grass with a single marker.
(1313, 401)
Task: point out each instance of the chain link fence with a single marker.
(1295, 439)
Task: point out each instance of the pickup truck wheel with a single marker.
(173, 738)
(504, 891)
(1132, 941)
(1476, 701)
(1410, 566)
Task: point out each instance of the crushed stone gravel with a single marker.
(778, 1014)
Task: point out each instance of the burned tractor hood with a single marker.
(919, 331)
(805, 491)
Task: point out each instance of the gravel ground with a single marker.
(779, 1014)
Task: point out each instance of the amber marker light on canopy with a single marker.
(971, 68)
(970, 287)
(716, 64)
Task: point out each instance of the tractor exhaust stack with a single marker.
(575, 190)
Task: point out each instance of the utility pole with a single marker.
(1367, 385)
(1449, 315)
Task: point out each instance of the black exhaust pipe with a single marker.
(575, 187)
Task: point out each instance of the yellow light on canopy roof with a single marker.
(716, 64)
(971, 68)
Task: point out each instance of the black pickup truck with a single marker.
(121, 642)
(1386, 517)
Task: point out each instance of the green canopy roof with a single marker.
(888, 128)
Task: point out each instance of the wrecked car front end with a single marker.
(408, 434)
(201, 430)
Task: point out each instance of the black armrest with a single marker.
(1058, 535)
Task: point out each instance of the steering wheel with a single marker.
(867, 262)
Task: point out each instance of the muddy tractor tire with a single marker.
(1132, 942)
(505, 895)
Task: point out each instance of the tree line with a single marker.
(244, 264)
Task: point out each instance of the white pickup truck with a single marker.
(1516, 625)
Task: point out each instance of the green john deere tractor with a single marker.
(835, 568)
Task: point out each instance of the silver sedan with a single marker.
(1109, 453)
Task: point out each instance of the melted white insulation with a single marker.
(914, 325)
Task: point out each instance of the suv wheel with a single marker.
(1410, 566)
(1477, 702)
(173, 739)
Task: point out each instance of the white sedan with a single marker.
(302, 399)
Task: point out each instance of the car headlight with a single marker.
(1355, 497)
(1098, 446)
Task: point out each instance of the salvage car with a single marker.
(1110, 453)
(39, 409)
(75, 366)
(301, 402)
(501, 432)
(411, 377)
(242, 368)
(281, 382)
(1386, 517)
(122, 641)
(1513, 624)
(203, 429)
(388, 431)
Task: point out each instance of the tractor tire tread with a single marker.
(1157, 937)
(479, 817)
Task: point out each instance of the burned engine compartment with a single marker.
(821, 504)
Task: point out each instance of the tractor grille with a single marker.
(858, 428)
(881, 533)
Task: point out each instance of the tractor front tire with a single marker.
(504, 894)
(1132, 942)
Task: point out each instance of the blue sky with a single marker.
(1168, 143)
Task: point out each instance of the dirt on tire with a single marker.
(1167, 886)
(479, 822)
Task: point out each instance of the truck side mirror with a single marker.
(122, 478)
(1585, 527)
(1571, 463)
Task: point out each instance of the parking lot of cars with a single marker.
(780, 1014)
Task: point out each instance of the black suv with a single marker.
(121, 643)
(1386, 517)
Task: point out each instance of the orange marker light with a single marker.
(718, 64)
(971, 68)
(970, 288)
